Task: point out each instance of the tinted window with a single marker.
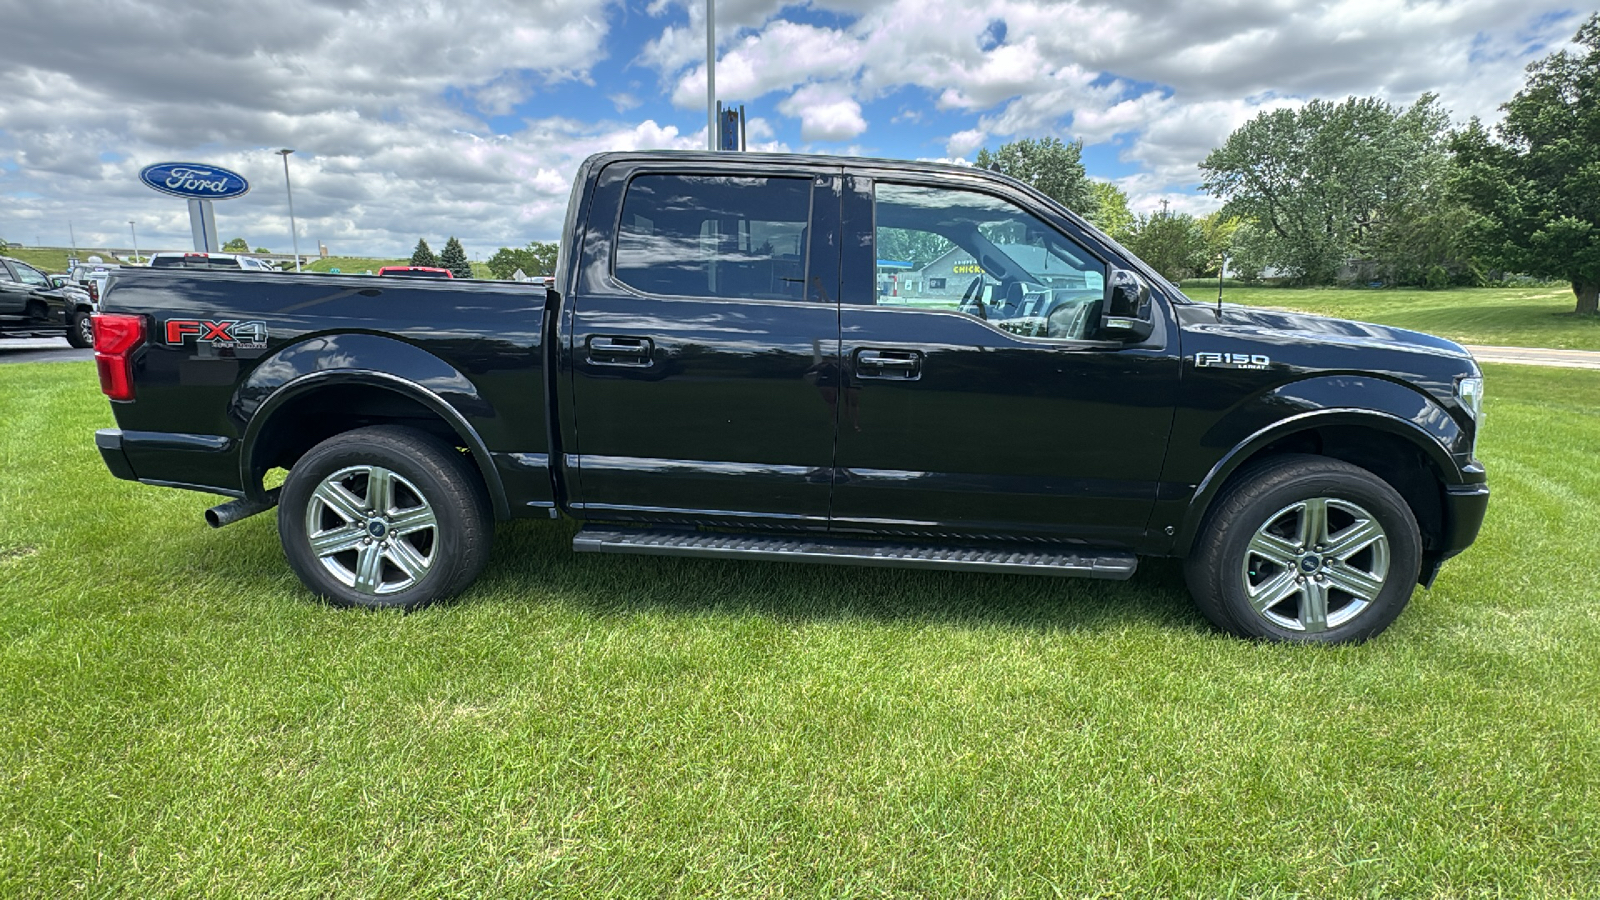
(194, 262)
(30, 275)
(715, 236)
(979, 255)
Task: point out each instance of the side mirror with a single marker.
(1127, 315)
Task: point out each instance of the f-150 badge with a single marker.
(221, 335)
(1231, 361)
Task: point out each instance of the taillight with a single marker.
(115, 339)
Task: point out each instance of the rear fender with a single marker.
(365, 359)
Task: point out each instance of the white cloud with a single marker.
(963, 143)
(826, 112)
(387, 106)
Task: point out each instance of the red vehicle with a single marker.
(417, 271)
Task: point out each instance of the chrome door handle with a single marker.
(621, 351)
(902, 364)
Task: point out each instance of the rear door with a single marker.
(980, 399)
(703, 345)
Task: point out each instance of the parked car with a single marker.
(199, 260)
(711, 374)
(32, 304)
(417, 271)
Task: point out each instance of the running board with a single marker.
(1080, 562)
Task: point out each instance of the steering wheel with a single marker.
(972, 299)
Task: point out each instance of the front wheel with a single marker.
(1306, 549)
(384, 517)
(80, 330)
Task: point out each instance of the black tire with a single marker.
(1256, 569)
(431, 542)
(80, 330)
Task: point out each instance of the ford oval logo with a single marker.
(194, 181)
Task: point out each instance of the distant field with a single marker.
(53, 260)
(1514, 317)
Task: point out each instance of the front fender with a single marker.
(1345, 401)
(358, 358)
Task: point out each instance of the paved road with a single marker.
(1529, 356)
(16, 350)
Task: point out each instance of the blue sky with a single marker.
(414, 118)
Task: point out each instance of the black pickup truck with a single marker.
(814, 359)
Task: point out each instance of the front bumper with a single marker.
(1464, 509)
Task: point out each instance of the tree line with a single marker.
(1367, 191)
(538, 258)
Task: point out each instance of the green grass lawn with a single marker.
(54, 260)
(182, 721)
(1512, 317)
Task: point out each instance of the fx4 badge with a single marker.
(221, 335)
(1231, 361)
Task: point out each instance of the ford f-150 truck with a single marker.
(813, 359)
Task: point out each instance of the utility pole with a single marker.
(294, 235)
(135, 242)
(711, 74)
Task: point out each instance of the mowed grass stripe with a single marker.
(183, 721)
(1513, 317)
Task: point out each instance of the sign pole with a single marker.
(203, 225)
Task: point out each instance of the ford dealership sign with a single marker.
(194, 181)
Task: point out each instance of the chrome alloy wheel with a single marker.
(1316, 564)
(372, 529)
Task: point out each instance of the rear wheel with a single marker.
(80, 330)
(384, 517)
(1306, 549)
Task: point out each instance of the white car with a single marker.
(198, 260)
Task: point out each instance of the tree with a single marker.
(1055, 168)
(1536, 190)
(1171, 243)
(237, 245)
(262, 250)
(454, 258)
(1111, 213)
(1322, 182)
(538, 258)
(423, 255)
(1217, 232)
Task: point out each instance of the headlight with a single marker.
(1470, 392)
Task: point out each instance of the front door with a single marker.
(704, 356)
(981, 400)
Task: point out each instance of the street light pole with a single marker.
(135, 242)
(294, 237)
(711, 74)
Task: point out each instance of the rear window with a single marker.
(195, 262)
(715, 236)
